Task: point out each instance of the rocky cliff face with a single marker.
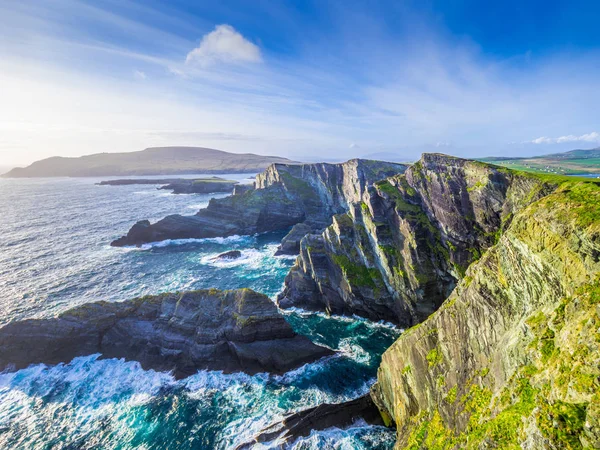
(219, 330)
(512, 358)
(284, 196)
(399, 251)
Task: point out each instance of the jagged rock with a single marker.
(399, 251)
(290, 244)
(512, 358)
(284, 196)
(232, 254)
(321, 417)
(238, 330)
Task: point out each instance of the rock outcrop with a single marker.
(237, 330)
(281, 434)
(285, 195)
(512, 358)
(399, 251)
(231, 254)
(290, 244)
(180, 185)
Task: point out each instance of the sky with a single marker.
(309, 80)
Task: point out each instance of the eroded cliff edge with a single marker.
(284, 195)
(512, 358)
(400, 250)
(238, 330)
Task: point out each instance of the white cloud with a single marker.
(589, 137)
(224, 44)
(139, 75)
(354, 145)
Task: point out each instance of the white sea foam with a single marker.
(235, 239)
(340, 318)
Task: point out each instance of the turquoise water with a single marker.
(54, 254)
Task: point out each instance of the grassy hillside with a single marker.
(568, 163)
(152, 161)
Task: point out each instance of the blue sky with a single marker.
(307, 79)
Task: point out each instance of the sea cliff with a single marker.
(512, 357)
(399, 251)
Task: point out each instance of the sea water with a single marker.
(55, 254)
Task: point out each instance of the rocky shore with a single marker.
(238, 330)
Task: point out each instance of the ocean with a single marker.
(55, 254)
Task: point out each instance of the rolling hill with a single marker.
(151, 161)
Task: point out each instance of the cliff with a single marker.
(512, 357)
(237, 330)
(399, 251)
(285, 195)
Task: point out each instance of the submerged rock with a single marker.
(232, 254)
(284, 195)
(294, 426)
(239, 330)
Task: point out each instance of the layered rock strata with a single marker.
(512, 358)
(399, 251)
(285, 195)
(238, 330)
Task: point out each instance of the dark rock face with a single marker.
(284, 196)
(181, 185)
(290, 244)
(232, 254)
(237, 330)
(399, 251)
(318, 418)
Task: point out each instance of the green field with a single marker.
(568, 163)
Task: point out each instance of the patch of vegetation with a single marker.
(451, 397)
(357, 274)
(434, 357)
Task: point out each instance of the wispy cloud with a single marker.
(588, 137)
(224, 45)
(82, 65)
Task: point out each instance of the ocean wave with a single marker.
(340, 318)
(359, 435)
(235, 239)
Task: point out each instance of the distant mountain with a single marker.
(571, 162)
(151, 161)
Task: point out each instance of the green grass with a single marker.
(357, 274)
